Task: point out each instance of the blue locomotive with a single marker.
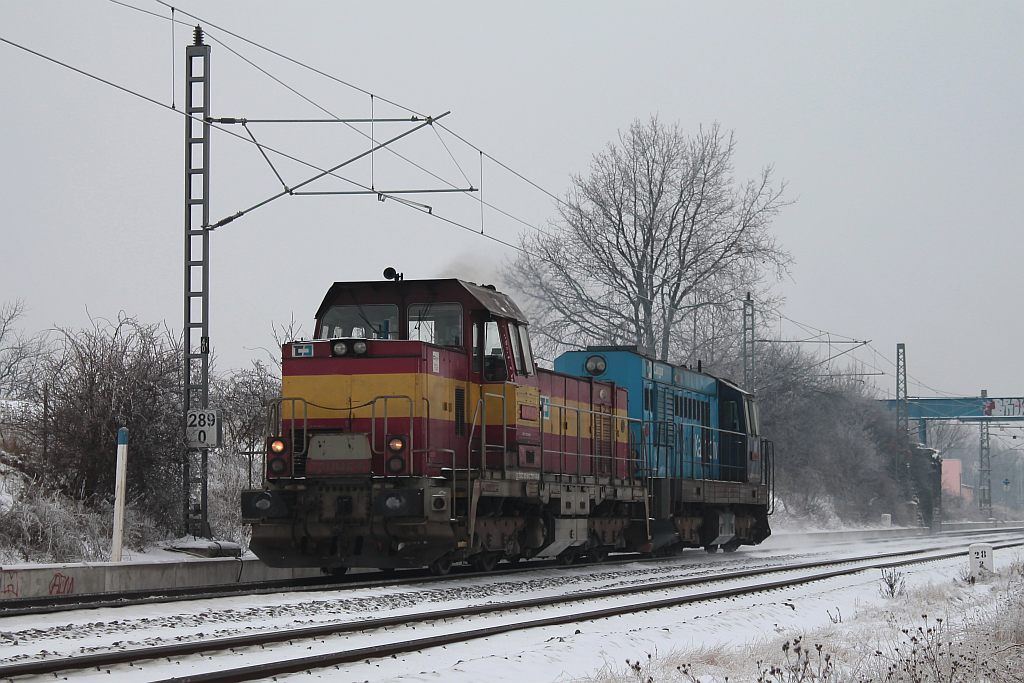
(698, 445)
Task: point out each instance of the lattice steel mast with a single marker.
(748, 343)
(902, 415)
(196, 394)
(985, 464)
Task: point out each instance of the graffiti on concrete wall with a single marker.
(62, 584)
(10, 585)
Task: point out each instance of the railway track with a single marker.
(510, 612)
(52, 604)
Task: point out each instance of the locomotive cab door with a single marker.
(507, 397)
(493, 375)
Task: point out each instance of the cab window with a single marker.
(370, 321)
(493, 353)
(524, 339)
(517, 351)
(439, 324)
(753, 419)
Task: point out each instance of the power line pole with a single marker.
(902, 414)
(196, 392)
(748, 343)
(985, 464)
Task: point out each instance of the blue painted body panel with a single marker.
(678, 409)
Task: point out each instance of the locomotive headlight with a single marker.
(396, 444)
(339, 348)
(277, 465)
(595, 365)
(277, 446)
(359, 348)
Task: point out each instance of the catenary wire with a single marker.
(313, 103)
(372, 95)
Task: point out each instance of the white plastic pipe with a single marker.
(119, 494)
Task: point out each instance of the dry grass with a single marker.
(42, 526)
(941, 632)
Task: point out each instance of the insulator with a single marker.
(198, 34)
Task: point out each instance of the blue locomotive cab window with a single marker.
(369, 321)
(439, 324)
(753, 419)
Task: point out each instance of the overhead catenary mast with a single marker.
(202, 424)
(196, 376)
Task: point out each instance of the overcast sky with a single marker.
(896, 125)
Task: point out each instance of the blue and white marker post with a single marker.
(119, 494)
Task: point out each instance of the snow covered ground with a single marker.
(725, 637)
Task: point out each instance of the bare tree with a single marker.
(282, 333)
(835, 445)
(658, 233)
(120, 373)
(17, 352)
(243, 394)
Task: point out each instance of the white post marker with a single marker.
(982, 560)
(886, 519)
(119, 494)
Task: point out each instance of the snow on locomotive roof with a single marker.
(486, 296)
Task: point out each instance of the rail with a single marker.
(808, 572)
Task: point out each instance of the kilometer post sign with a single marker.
(203, 428)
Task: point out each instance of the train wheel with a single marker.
(441, 566)
(566, 558)
(598, 554)
(711, 548)
(731, 546)
(484, 562)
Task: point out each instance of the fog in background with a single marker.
(896, 126)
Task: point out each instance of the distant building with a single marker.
(952, 480)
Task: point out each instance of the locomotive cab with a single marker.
(410, 393)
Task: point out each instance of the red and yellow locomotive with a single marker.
(416, 430)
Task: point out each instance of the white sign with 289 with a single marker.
(202, 429)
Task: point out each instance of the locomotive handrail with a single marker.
(768, 452)
(373, 425)
(616, 420)
(481, 412)
(658, 433)
(275, 427)
(472, 433)
(276, 417)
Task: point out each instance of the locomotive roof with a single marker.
(452, 289)
(632, 348)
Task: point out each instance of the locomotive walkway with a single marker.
(313, 637)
